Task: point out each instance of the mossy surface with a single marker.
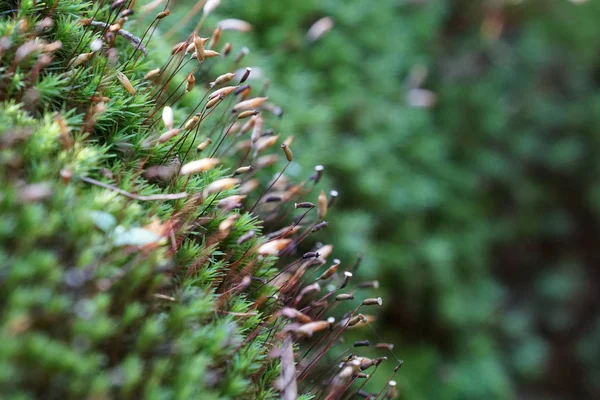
(96, 299)
(121, 276)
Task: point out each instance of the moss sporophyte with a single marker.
(133, 267)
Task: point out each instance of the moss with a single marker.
(122, 277)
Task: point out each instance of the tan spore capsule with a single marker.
(325, 251)
(245, 75)
(207, 54)
(392, 391)
(265, 142)
(249, 186)
(191, 81)
(331, 270)
(244, 92)
(241, 90)
(29, 48)
(179, 47)
(321, 225)
(231, 202)
(99, 109)
(204, 144)
(273, 247)
(197, 166)
(265, 161)
(322, 202)
(292, 313)
(232, 129)
(163, 14)
(213, 102)
(247, 114)
(287, 231)
(257, 128)
(215, 37)
(309, 329)
(367, 320)
(228, 223)
(243, 170)
(168, 135)
(347, 276)
(243, 53)
(356, 319)
(228, 77)
(191, 123)
(125, 82)
(313, 287)
(220, 185)
(224, 91)
(199, 46)
(115, 28)
(245, 237)
(249, 104)
(151, 74)
(167, 117)
(249, 124)
(80, 59)
(319, 169)
(227, 47)
(211, 53)
(244, 146)
(366, 363)
(344, 297)
(385, 346)
(288, 152)
(369, 284)
(333, 195)
(288, 142)
(372, 301)
(52, 47)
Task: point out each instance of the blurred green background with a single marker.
(463, 137)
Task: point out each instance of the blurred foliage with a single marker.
(482, 209)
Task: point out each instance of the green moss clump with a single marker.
(123, 276)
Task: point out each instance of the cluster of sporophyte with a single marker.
(150, 245)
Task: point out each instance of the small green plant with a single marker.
(151, 243)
